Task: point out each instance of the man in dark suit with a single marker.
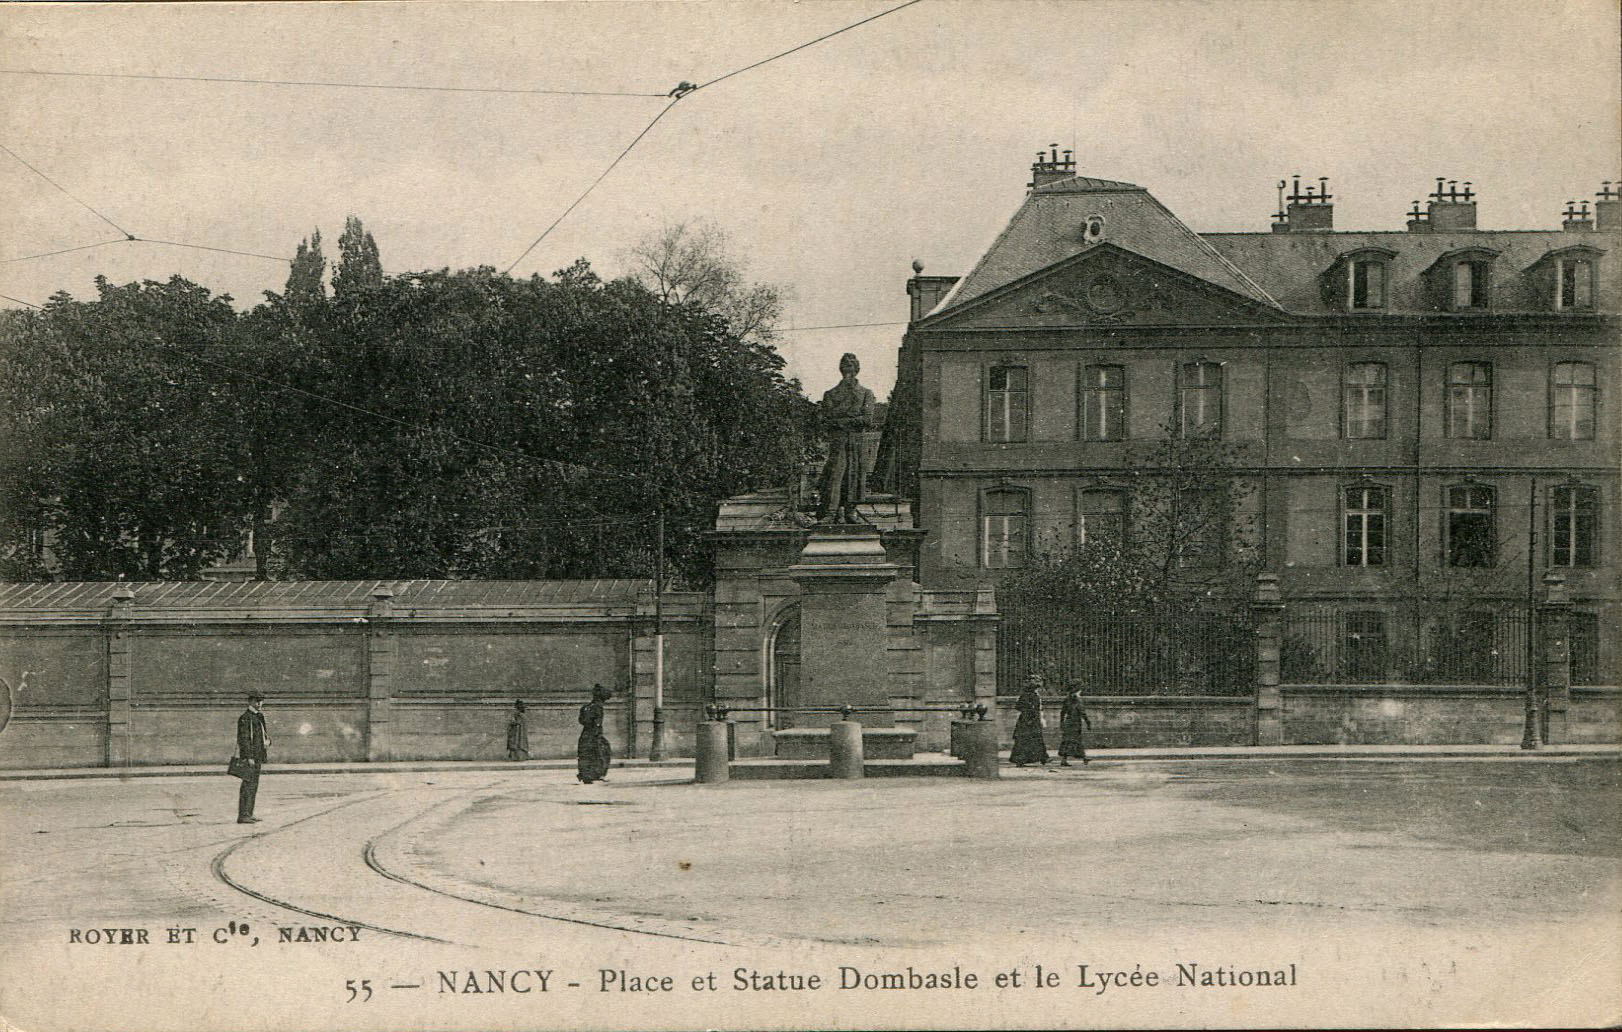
(253, 745)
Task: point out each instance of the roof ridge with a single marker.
(1218, 255)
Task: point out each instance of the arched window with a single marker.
(1005, 517)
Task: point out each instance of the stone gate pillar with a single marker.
(844, 573)
(1267, 611)
(1554, 649)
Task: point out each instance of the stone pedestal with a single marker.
(710, 765)
(843, 574)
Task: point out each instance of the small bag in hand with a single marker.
(239, 767)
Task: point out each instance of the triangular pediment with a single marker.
(1105, 286)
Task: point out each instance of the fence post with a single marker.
(116, 629)
(1267, 612)
(1554, 630)
(379, 674)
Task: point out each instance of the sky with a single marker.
(831, 169)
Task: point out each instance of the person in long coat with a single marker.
(1071, 721)
(1028, 744)
(517, 733)
(592, 755)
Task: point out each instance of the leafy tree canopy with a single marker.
(440, 424)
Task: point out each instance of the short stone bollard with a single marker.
(845, 749)
(976, 742)
(711, 766)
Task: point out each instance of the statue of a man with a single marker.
(846, 413)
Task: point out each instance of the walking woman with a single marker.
(1071, 720)
(1028, 744)
(517, 733)
(592, 754)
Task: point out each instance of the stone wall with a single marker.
(133, 674)
(1138, 721)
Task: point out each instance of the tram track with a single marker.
(217, 867)
(631, 926)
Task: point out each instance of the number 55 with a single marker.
(356, 988)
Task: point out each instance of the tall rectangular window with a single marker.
(1576, 283)
(1571, 409)
(1574, 515)
(1362, 656)
(1470, 285)
(1199, 399)
(1363, 401)
(1100, 517)
(1471, 536)
(1583, 641)
(1007, 404)
(1004, 528)
(1368, 284)
(1103, 403)
(1198, 527)
(1365, 530)
(1469, 401)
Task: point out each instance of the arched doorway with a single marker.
(783, 668)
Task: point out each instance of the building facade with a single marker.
(1426, 420)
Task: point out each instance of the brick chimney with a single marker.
(1608, 208)
(1049, 167)
(1418, 221)
(926, 291)
(1309, 211)
(1452, 209)
(1577, 221)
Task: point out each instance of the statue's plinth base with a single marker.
(843, 574)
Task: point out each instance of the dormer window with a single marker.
(1358, 281)
(1565, 278)
(1461, 281)
(1576, 283)
(1368, 283)
(1470, 285)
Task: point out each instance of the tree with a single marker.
(358, 264)
(116, 446)
(306, 278)
(692, 263)
(563, 415)
(1159, 603)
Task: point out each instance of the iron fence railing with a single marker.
(1191, 654)
(1437, 646)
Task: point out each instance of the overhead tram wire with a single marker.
(65, 250)
(234, 80)
(585, 193)
(684, 90)
(20, 301)
(24, 162)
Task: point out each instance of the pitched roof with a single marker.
(1289, 265)
(1047, 229)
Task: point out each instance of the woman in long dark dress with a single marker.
(1028, 744)
(517, 733)
(593, 754)
(1072, 741)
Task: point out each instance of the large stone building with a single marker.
(1428, 418)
